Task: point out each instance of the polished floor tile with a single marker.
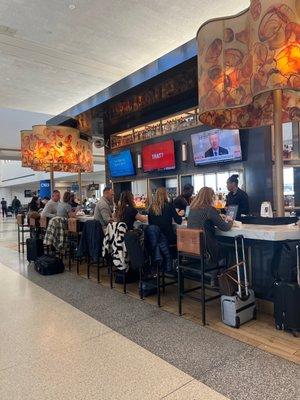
(51, 350)
(34, 322)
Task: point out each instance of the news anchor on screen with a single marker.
(215, 149)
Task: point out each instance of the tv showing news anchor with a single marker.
(216, 145)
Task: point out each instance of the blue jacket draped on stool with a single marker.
(158, 247)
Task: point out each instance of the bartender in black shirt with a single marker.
(236, 196)
(184, 200)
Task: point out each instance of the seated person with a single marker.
(203, 215)
(73, 201)
(64, 208)
(34, 205)
(162, 214)
(50, 209)
(127, 212)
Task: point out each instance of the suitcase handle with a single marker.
(243, 262)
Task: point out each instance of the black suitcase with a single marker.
(34, 248)
(287, 303)
(49, 265)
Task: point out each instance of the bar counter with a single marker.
(264, 232)
(264, 244)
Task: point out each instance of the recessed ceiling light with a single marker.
(72, 6)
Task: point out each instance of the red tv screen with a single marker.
(159, 156)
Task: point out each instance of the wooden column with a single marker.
(80, 188)
(278, 144)
(52, 182)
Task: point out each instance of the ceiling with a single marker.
(54, 54)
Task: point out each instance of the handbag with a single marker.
(228, 281)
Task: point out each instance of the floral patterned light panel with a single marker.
(241, 59)
(57, 147)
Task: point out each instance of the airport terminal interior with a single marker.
(150, 200)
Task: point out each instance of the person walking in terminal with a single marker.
(16, 204)
(4, 207)
(237, 197)
(162, 214)
(215, 149)
(50, 209)
(127, 212)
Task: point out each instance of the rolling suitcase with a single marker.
(240, 307)
(49, 265)
(287, 303)
(34, 248)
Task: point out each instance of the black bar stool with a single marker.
(22, 229)
(192, 266)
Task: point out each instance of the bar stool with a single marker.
(22, 229)
(192, 266)
(34, 225)
(44, 222)
(74, 233)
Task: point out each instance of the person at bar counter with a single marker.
(105, 207)
(64, 208)
(50, 209)
(162, 214)
(236, 196)
(73, 201)
(127, 212)
(184, 199)
(203, 215)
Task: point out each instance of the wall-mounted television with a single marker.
(216, 145)
(159, 156)
(120, 164)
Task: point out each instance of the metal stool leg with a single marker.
(98, 270)
(111, 274)
(179, 290)
(203, 292)
(88, 266)
(141, 284)
(124, 281)
(19, 240)
(158, 285)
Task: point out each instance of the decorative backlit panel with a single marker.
(241, 59)
(56, 147)
(27, 147)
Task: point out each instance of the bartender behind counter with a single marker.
(237, 197)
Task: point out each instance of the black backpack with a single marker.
(49, 265)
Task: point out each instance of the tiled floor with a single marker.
(65, 337)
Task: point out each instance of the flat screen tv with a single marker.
(159, 156)
(216, 145)
(120, 164)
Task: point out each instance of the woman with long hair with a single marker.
(34, 204)
(203, 215)
(162, 214)
(127, 212)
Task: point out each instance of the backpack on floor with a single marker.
(49, 265)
